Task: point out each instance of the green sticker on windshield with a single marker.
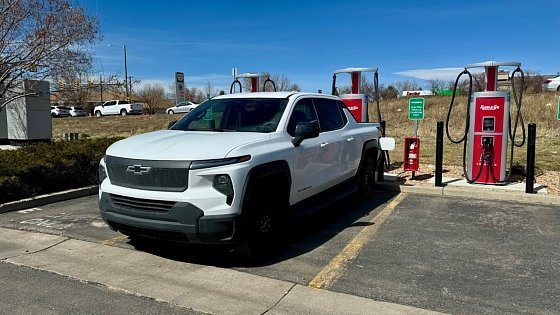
(208, 115)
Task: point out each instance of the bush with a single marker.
(45, 168)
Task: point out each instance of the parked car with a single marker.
(183, 107)
(76, 111)
(118, 107)
(552, 84)
(60, 111)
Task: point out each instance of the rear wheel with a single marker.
(123, 112)
(366, 177)
(171, 112)
(97, 114)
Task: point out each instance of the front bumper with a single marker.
(179, 221)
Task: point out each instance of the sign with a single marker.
(417, 93)
(416, 108)
(179, 87)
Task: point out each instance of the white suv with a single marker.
(237, 167)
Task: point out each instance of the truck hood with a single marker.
(182, 145)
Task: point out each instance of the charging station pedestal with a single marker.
(356, 102)
(489, 127)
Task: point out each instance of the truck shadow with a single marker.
(304, 236)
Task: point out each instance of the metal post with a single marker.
(101, 87)
(531, 144)
(125, 74)
(439, 154)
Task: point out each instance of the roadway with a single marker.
(446, 254)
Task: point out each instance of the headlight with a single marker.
(219, 162)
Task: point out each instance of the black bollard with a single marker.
(439, 154)
(531, 144)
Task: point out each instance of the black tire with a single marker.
(53, 115)
(170, 112)
(366, 177)
(98, 114)
(262, 225)
(123, 112)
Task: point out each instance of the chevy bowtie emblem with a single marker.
(138, 169)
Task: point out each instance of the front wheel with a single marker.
(123, 112)
(262, 226)
(97, 114)
(366, 178)
(171, 112)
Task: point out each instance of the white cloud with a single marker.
(445, 74)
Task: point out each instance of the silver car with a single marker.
(552, 84)
(183, 107)
(76, 111)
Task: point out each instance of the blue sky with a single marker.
(307, 40)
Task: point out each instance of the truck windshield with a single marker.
(236, 114)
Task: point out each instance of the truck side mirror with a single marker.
(305, 130)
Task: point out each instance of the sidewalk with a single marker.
(202, 288)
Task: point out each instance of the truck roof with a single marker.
(282, 94)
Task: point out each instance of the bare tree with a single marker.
(41, 38)
(407, 85)
(153, 96)
(210, 90)
(437, 85)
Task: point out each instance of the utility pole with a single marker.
(101, 87)
(125, 74)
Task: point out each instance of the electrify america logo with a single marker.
(489, 107)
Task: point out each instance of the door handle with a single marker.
(350, 139)
(324, 144)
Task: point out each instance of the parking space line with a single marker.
(114, 240)
(337, 265)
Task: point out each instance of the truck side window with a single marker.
(303, 112)
(328, 111)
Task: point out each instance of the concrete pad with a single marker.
(203, 288)
(304, 300)
(510, 187)
(14, 242)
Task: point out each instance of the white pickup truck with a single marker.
(118, 107)
(237, 168)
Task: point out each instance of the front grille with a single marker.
(147, 174)
(142, 204)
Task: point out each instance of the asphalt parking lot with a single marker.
(447, 254)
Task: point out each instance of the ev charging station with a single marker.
(488, 126)
(254, 79)
(356, 101)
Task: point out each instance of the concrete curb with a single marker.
(472, 192)
(49, 198)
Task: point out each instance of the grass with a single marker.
(537, 108)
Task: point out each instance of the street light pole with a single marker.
(125, 71)
(125, 74)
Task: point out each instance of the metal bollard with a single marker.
(439, 154)
(530, 172)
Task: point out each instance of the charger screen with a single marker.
(488, 124)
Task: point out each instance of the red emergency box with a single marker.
(411, 154)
